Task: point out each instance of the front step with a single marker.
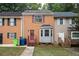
(31, 44)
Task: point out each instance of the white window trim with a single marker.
(72, 35)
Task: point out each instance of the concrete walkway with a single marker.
(28, 51)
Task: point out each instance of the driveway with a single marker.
(74, 50)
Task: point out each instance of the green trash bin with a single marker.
(15, 41)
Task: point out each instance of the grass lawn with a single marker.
(50, 50)
(11, 51)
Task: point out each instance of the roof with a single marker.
(37, 12)
(65, 14)
(10, 13)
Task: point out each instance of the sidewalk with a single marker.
(6, 45)
(28, 51)
(10, 45)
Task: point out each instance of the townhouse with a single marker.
(37, 26)
(9, 26)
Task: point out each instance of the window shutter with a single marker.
(7, 35)
(8, 21)
(58, 21)
(33, 18)
(3, 21)
(14, 21)
(15, 35)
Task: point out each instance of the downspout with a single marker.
(28, 28)
(22, 26)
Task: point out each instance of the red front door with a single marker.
(31, 34)
(31, 40)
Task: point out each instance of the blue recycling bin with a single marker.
(22, 41)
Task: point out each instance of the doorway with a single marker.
(46, 35)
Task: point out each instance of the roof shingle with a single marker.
(65, 14)
(10, 13)
(37, 12)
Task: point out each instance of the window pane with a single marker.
(61, 20)
(75, 34)
(11, 35)
(46, 32)
(38, 18)
(12, 22)
(1, 22)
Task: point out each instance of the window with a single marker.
(61, 20)
(71, 21)
(37, 18)
(75, 35)
(12, 22)
(46, 32)
(1, 21)
(11, 35)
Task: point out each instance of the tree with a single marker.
(58, 7)
(18, 6)
(76, 10)
(55, 7)
(68, 7)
